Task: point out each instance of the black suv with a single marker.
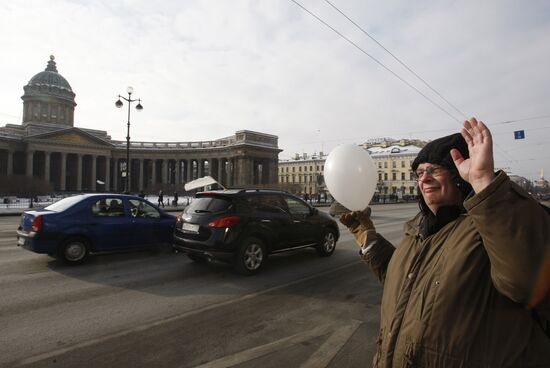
(244, 226)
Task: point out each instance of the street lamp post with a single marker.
(119, 104)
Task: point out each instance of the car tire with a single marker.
(74, 251)
(327, 245)
(196, 258)
(250, 257)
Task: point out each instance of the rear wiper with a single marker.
(202, 211)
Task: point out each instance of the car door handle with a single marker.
(266, 220)
(296, 221)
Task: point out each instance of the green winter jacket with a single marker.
(460, 297)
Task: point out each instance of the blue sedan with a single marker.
(74, 227)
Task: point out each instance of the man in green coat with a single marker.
(468, 284)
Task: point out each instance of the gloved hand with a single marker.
(360, 225)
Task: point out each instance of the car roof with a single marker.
(239, 192)
(101, 195)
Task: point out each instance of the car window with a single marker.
(142, 209)
(269, 202)
(297, 207)
(208, 205)
(111, 207)
(100, 208)
(63, 204)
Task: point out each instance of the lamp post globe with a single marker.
(139, 107)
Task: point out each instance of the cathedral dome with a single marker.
(48, 98)
(50, 77)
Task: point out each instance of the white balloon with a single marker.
(351, 176)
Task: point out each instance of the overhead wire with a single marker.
(510, 159)
(397, 59)
(411, 71)
(375, 60)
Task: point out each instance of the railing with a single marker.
(15, 202)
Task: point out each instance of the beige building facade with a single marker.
(305, 172)
(47, 145)
(392, 159)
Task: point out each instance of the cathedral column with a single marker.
(63, 178)
(153, 172)
(220, 171)
(200, 164)
(189, 166)
(164, 172)
(94, 172)
(10, 162)
(30, 157)
(140, 181)
(47, 166)
(230, 165)
(78, 172)
(107, 173)
(178, 179)
(115, 177)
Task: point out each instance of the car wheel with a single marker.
(251, 256)
(327, 244)
(197, 258)
(74, 251)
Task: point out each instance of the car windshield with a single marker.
(63, 204)
(208, 205)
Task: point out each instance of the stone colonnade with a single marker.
(68, 171)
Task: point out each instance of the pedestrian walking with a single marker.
(176, 199)
(161, 199)
(468, 285)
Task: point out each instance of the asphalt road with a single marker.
(159, 309)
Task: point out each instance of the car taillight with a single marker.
(37, 224)
(229, 221)
(178, 220)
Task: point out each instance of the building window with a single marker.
(379, 176)
(393, 176)
(402, 163)
(293, 170)
(385, 164)
(385, 176)
(403, 176)
(394, 164)
(411, 176)
(379, 164)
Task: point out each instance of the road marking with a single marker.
(323, 355)
(328, 350)
(53, 353)
(258, 351)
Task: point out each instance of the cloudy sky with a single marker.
(207, 68)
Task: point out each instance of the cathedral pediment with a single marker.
(71, 136)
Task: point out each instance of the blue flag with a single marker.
(519, 134)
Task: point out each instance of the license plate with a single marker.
(20, 241)
(190, 228)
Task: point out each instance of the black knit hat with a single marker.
(438, 152)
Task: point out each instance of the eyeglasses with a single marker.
(433, 171)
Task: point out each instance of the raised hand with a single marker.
(479, 169)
